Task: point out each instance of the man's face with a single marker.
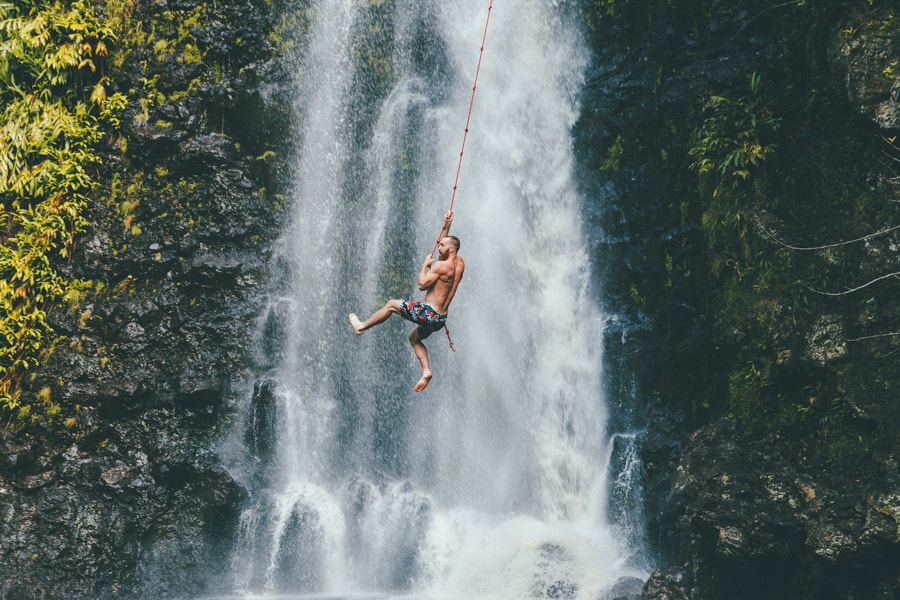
(444, 247)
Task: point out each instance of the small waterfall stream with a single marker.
(494, 482)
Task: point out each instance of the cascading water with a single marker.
(493, 482)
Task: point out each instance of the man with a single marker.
(439, 280)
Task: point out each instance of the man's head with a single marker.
(447, 243)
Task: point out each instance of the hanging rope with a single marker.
(465, 135)
(468, 116)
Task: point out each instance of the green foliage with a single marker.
(53, 90)
(734, 140)
(729, 156)
(613, 156)
(890, 71)
(50, 48)
(748, 389)
(117, 17)
(772, 169)
(755, 298)
(371, 47)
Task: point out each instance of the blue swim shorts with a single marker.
(428, 319)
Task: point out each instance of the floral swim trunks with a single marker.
(428, 319)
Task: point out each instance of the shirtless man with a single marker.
(439, 280)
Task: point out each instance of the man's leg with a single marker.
(422, 354)
(379, 316)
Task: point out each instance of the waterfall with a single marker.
(493, 482)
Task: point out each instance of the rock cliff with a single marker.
(133, 501)
(769, 465)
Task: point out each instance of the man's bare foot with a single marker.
(356, 323)
(423, 383)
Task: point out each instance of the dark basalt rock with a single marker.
(749, 523)
(82, 522)
(132, 501)
(627, 588)
(731, 516)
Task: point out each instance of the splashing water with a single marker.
(493, 482)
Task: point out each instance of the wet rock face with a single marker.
(104, 522)
(731, 516)
(132, 501)
(750, 523)
(865, 55)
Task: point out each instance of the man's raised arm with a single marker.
(448, 218)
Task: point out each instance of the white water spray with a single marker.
(492, 483)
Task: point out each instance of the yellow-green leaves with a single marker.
(734, 139)
(54, 103)
(51, 43)
(729, 153)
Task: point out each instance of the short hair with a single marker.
(455, 241)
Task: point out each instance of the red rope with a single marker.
(468, 115)
(465, 135)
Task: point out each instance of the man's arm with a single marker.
(445, 230)
(427, 277)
